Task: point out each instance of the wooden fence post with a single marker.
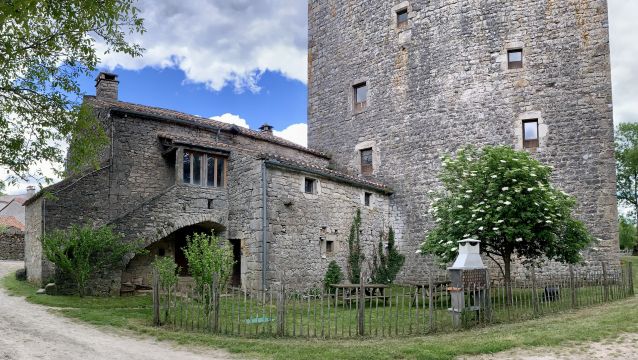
(534, 294)
(605, 283)
(361, 302)
(215, 302)
(156, 298)
(431, 299)
(281, 309)
(630, 273)
(572, 285)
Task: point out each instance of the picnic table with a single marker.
(350, 291)
(425, 289)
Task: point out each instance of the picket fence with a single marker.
(377, 311)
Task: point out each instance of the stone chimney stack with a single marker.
(30, 191)
(265, 128)
(106, 85)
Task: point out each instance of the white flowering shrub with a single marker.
(503, 198)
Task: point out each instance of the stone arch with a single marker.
(167, 240)
(180, 222)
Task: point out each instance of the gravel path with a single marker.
(29, 331)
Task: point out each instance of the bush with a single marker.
(207, 254)
(386, 266)
(81, 252)
(334, 275)
(355, 254)
(167, 270)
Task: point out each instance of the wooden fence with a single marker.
(364, 310)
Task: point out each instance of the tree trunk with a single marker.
(507, 264)
(636, 227)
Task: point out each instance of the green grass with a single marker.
(133, 313)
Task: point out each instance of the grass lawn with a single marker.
(133, 313)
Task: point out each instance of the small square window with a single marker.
(367, 199)
(366, 162)
(161, 252)
(310, 186)
(210, 203)
(402, 18)
(329, 247)
(530, 134)
(515, 59)
(360, 97)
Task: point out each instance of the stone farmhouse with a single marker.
(392, 87)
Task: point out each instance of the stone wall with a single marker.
(442, 82)
(11, 245)
(301, 224)
(139, 192)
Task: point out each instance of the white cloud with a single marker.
(623, 30)
(297, 133)
(231, 119)
(222, 42)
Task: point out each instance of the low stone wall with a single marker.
(12, 245)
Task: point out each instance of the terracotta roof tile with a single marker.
(11, 221)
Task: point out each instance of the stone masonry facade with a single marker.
(11, 244)
(140, 191)
(441, 80)
(437, 78)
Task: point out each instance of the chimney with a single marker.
(30, 191)
(265, 128)
(106, 86)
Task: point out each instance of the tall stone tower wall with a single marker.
(442, 81)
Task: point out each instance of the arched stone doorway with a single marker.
(138, 271)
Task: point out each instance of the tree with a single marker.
(627, 233)
(45, 47)
(503, 198)
(627, 168)
(355, 254)
(334, 275)
(83, 251)
(386, 266)
(207, 254)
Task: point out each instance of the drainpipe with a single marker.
(264, 225)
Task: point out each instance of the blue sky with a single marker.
(280, 101)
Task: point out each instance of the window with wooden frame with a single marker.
(515, 59)
(204, 169)
(360, 96)
(530, 134)
(402, 18)
(330, 247)
(366, 161)
(310, 186)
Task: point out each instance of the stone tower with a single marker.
(399, 84)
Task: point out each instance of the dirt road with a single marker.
(624, 347)
(29, 331)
